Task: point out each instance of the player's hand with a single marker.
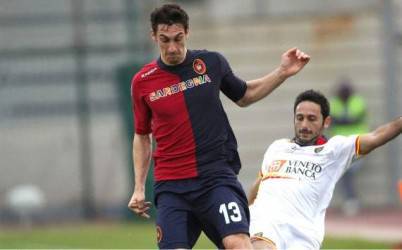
(138, 204)
(293, 61)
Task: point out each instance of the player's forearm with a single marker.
(253, 191)
(380, 136)
(141, 159)
(261, 87)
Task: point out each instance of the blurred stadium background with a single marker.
(65, 69)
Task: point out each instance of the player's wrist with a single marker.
(281, 74)
(139, 188)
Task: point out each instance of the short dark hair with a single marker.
(169, 14)
(316, 97)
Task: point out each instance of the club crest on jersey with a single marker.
(199, 66)
(319, 149)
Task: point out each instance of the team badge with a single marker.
(319, 149)
(199, 66)
(158, 233)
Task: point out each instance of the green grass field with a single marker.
(113, 235)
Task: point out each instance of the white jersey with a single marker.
(296, 189)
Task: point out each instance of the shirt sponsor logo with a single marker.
(304, 168)
(179, 87)
(291, 168)
(275, 166)
(273, 170)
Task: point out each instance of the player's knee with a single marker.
(237, 241)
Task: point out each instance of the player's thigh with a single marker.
(177, 226)
(263, 233)
(294, 237)
(223, 211)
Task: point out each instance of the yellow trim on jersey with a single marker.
(270, 242)
(357, 146)
(271, 176)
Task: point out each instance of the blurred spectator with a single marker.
(348, 112)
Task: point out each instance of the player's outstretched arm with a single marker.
(253, 191)
(292, 61)
(380, 136)
(141, 159)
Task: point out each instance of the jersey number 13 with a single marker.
(230, 211)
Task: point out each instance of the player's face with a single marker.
(171, 40)
(309, 122)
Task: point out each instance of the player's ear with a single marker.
(153, 35)
(327, 122)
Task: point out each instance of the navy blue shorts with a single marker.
(218, 212)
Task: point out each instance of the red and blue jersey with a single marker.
(180, 106)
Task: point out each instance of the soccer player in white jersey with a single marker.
(298, 176)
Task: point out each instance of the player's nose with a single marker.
(172, 48)
(304, 124)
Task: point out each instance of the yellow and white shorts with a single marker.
(281, 235)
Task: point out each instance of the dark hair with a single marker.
(169, 14)
(316, 97)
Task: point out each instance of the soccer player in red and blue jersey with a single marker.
(176, 100)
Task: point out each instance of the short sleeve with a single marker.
(264, 160)
(346, 149)
(267, 158)
(141, 111)
(232, 86)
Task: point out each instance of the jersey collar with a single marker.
(186, 61)
(319, 141)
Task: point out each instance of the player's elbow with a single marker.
(242, 103)
(246, 100)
